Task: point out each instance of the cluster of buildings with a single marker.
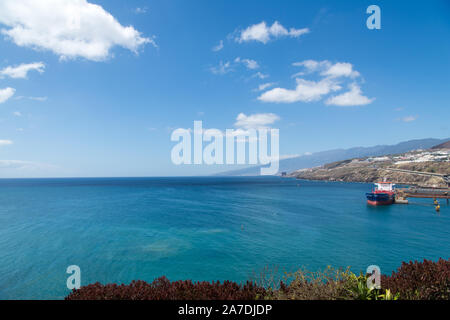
(440, 155)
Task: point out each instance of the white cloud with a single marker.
(17, 113)
(264, 86)
(327, 69)
(38, 98)
(225, 67)
(288, 156)
(353, 97)
(263, 33)
(21, 71)
(20, 164)
(32, 98)
(27, 169)
(305, 91)
(249, 63)
(6, 93)
(341, 69)
(260, 75)
(241, 135)
(332, 75)
(312, 65)
(409, 119)
(255, 121)
(69, 28)
(140, 10)
(222, 68)
(218, 47)
(11, 163)
(5, 142)
(245, 124)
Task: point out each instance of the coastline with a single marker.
(362, 170)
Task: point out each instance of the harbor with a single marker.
(402, 195)
(414, 192)
(384, 193)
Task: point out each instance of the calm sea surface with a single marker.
(211, 228)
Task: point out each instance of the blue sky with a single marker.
(84, 94)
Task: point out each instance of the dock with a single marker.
(402, 194)
(423, 193)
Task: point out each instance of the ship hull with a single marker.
(380, 199)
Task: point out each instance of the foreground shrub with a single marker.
(163, 289)
(330, 284)
(425, 280)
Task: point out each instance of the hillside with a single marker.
(323, 157)
(370, 169)
(445, 145)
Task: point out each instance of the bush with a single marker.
(425, 280)
(330, 284)
(163, 289)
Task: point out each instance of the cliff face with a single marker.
(371, 169)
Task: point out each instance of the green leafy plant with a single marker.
(389, 296)
(357, 287)
(306, 285)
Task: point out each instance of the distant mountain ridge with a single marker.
(324, 157)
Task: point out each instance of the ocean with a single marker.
(202, 228)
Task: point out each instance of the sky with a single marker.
(95, 88)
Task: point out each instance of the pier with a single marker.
(414, 192)
(402, 194)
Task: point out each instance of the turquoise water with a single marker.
(211, 228)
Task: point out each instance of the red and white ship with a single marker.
(382, 194)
